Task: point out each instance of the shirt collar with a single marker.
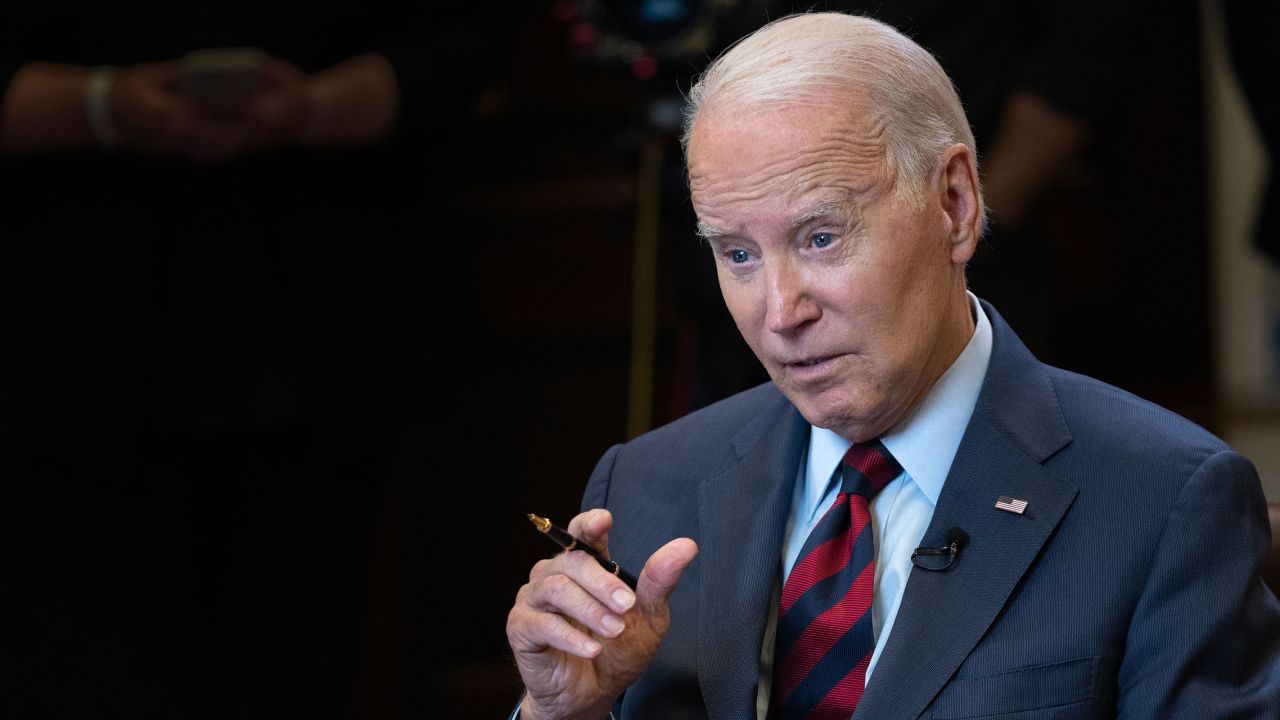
(925, 442)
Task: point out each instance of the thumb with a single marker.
(661, 574)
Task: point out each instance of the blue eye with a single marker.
(821, 240)
(738, 256)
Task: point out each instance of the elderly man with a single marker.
(915, 518)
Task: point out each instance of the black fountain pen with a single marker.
(561, 537)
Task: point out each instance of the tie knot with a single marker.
(867, 468)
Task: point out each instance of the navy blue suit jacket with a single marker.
(1129, 588)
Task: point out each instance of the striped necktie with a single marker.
(824, 642)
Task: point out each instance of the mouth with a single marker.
(811, 362)
(812, 373)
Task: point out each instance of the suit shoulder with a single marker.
(723, 419)
(649, 477)
(708, 434)
(1119, 425)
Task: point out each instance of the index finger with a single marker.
(593, 527)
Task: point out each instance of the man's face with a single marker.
(852, 298)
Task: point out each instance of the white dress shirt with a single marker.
(924, 444)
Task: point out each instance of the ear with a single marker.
(960, 201)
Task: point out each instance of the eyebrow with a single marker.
(710, 232)
(823, 209)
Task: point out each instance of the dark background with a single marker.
(270, 430)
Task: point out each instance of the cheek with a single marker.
(742, 301)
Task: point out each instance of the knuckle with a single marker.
(571, 560)
(539, 569)
(601, 580)
(522, 595)
(518, 626)
(583, 563)
(559, 589)
(540, 626)
(563, 631)
(571, 600)
(581, 519)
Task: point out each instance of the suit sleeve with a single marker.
(1204, 641)
(597, 492)
(596, 496)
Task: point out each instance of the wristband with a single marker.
(97, 100)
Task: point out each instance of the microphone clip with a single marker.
(937, 559)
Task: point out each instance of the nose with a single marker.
(789, 305)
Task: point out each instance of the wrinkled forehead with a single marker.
(778, 154)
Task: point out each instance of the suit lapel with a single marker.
(1015, 427)
(742, 515)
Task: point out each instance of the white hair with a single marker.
(830, 59)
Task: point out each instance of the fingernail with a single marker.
(623, 599)
(591, 646)
(613, 624)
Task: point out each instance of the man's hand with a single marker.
(149, 112)
(277, 113)
(579, 634)
(153, 117)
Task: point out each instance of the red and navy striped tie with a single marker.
(824, 642)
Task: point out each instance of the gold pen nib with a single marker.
(541, 523)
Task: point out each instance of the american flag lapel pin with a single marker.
(1013, 505)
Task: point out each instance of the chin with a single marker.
(824, 416)
(840, 415)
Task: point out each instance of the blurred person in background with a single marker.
(212, 317)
